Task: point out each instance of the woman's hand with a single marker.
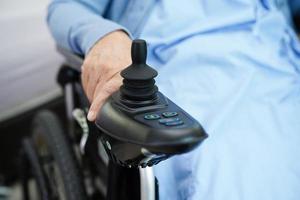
(101, 69)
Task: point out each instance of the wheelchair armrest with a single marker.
(141, 126)
(72, 60)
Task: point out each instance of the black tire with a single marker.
(30, 165)
(53, 147)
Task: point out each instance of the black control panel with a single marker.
(141, 126)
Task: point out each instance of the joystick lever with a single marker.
(141, 126)
(138, 82)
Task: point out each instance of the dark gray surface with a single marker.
(28, 58)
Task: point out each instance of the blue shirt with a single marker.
(236, 70)
(233, 65)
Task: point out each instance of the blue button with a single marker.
(170, 114)
(151, 117)
(176, 123)
(166, 120)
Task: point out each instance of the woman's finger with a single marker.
(92, 84)
(107, 89)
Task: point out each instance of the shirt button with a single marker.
(151, 117)
(170, 114)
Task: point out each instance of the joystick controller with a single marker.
(138, 83)
(141, 126)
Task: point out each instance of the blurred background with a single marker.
(27, 57)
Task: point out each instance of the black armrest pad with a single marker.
(72, 60)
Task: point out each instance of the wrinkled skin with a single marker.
(101, 69)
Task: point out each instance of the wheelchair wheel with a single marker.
(36, 188)
(57, 158)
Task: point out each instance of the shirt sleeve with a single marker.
(78, 25)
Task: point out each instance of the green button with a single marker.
(170, 114)
(151, 116)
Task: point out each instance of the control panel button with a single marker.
(166, 120)
(151, 116)
(169, 114)
(176, 123)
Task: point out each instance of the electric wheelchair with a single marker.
(136, 128)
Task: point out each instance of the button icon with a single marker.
(151, 117)
(166, 120)
(176, 123)
(169, 114)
